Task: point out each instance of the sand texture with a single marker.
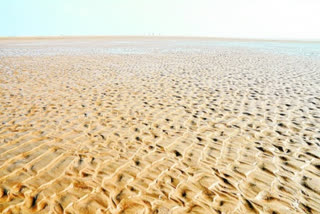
(157, 126)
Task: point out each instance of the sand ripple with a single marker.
(221, 132)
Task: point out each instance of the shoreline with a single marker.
(138, 37)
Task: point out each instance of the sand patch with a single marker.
(231, 131)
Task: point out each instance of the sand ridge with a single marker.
(231, 131)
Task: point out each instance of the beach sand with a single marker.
(147, 125)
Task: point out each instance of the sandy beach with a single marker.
(150, 125)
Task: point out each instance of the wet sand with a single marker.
(145, 125)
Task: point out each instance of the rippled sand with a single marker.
(158, 126)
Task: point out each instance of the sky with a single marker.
(265, 19)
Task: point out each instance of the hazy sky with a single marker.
(279, 19)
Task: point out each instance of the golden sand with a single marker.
(226, 130)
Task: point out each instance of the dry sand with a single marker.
(143, 125)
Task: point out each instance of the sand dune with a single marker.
(223, 130)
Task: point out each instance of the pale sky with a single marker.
(269, 19)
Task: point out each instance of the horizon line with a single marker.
(158, 36)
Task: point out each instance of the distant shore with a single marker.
(154, 37)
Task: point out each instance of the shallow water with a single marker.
(293, 48)
(148, 46)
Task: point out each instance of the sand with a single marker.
(143, 125)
